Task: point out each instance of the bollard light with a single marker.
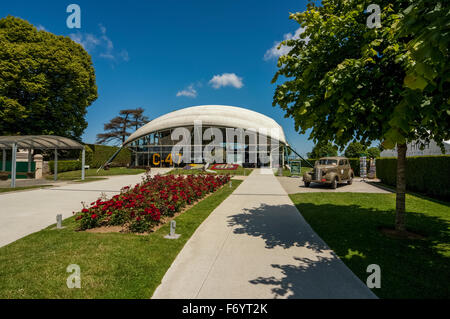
(59, 221)
(172, 234)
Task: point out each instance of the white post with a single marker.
(13, 165)
(83, 154)
(29, 160)
(4, 160)
(55, 170)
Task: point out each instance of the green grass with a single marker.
(89, 179)
(9, 189)
(112, 265)
(349, 223)
(240, 171)
(76, 175)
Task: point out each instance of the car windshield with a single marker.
(327, 162)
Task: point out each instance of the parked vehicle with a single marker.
(331, 171)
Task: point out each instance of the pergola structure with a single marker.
(32, 142)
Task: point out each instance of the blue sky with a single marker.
(164, 55)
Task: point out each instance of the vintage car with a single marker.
(330, 171)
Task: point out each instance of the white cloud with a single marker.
(274, 52)
(100, 44)
(87, 40)
(226, 79)
(40, 27)
(190, 91)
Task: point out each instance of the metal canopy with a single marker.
(39, 142)
(42, 142)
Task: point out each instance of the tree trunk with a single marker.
(401, 188)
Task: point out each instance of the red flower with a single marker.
(94, 216)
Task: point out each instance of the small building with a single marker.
(413, 149)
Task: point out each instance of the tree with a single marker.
(347, 82)
(323, 149)
(117, 128)
(46, 84)
(354, 149)
(138, 117)
(373, 152)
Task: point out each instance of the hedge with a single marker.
(99, 154)
(95, 156)
(429, 175)
(65, 166)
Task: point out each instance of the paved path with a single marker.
(25, 212)
(257, 245)
(294, 185)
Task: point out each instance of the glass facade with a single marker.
(250, 149)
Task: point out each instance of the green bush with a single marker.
(97, 155)
(65, 166)
(429, 175)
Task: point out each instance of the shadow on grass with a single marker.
(410, 268)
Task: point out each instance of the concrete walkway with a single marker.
(257, 245)
(25, 212)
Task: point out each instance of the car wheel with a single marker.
(307, 184)
(334, 183)
(350, 181)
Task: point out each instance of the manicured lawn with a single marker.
(349, 223)
(240, 171)
(112, 265)
(72, 175)
(8, 189)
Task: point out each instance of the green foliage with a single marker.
(65, 166)
(373, 152)
(426, 22)
(429, 175)
(323, 149)
(46, 82)
(354, 149)
(101, 153)
(346, 81)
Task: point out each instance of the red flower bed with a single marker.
(141, 207)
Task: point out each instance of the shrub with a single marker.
(101, 153)
(141, 207)
(65, 166)
(429, 175)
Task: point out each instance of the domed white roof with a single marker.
(211, 115)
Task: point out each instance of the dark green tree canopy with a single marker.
(373, 152)
(323, 149)
(46, 83)
(354, 149)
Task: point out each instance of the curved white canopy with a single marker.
(211, 115)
